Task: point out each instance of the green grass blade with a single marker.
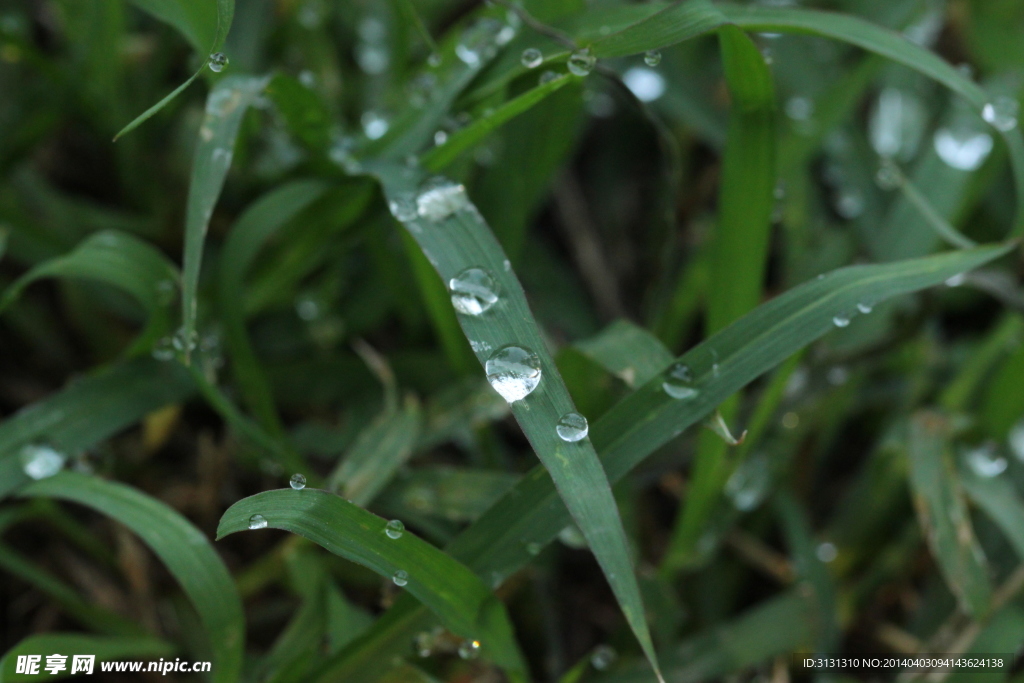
(254, 229)
(90, 410)
(627, 351)
(183, 549)
(463, 240)
(997, 498)
(152, 111)
(104, 648)
(448, 588)
(942, 513)
(452, 493)
(227, 103)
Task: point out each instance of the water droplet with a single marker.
(469, 649)
(185, 342)
(479, 42)
(865, 307)
(394, 529)
(400, 578)
(962, 147)
(514, 372)
(547, 77)
(837, 376)
(217, 62)
(652, 58)
(531, 58)
(163, 349)
(372, 58)
(480, 346)
(956, 280)
(1001, 113)
(748, 484)
(799, 108)
(440, 137)
(603, 657)
(473, 291)
(897, 124)
(297, 482)
(572, 427)
(257, 522)
(826, 552)
(840, 321)
(40, 461)
(572, 537)
(403, 208)
(850, 202)
(581, 62)
(888, 177)
(307, 307)
(1016, 440)
(375, 125)
(434, 59)
(646, 84)
(679, 382)
(985, 462)
(533, 548)
(439, 198)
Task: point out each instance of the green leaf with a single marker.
(627, 351)
(942, 513)
(463, 240)
(204, 24)
(122, 261)
(183, 549)
(997, 498)
(104, 649)
(227, 103)
(443, 585)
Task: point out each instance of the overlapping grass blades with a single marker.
(103, 648)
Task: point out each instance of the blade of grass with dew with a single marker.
(251, 232)
(90, 410)
(183, 549)
(103, 648)
(443, 585)
(462, 240)
(739, 257)
(495, 546)
(453, 493)
(998, 499)
(122, 261)
(225, 107)
(627, 351)
(379, 450)
(942, 513)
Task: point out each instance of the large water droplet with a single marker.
(469, 649)
(840, 320)
(394, 529)
(962, 147)
(572, 427)
(603, 657)
(652, 58)
(39, 461)
(646, 84)
(679, 382)
(439, 198)
(1002, 113)
(217, 62)
(400, 578)
(1016, 440)
(985, 462)
(531, 58)
(403, 208)
(581, 62)
(375, 125)
(297, 482)
(514, 372)
(473, 291)
(257, 522)
(748, 484)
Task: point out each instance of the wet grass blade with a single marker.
(104, 648)
(998, 498)
(942, 513)
(183, 549)
(462, 240)
(443, 585)
(225, 106)
(627, 351)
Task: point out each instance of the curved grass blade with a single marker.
(448, 588)
(998, 498)
(120, 260)
(183, 549)
(103, 648)
(627, 351)
(90, 410)
(227, 103)
(462, 240)
(942, 513)
(648, 418)
(152, 111)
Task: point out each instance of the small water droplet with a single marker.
(469, 649)
(185, 342)
(217, 62)
(985, 462)
(403, 208)
(297, 482)
(440, 137)
(372, 58)
(375, 125)
(799, 108)
(479, 42)
(572, 537)
(956, 280)
(474, 291)
(826, 552)
(439, 198)
(679, 382)
(533, 548)
(962, 147)
(865, 307)
(1001, 113)
(514, 372)
(163, 349)
(837, 376)
(40, 461)
(897, 123)
(748, 484)
(572, 427)
(840, 321)
(400, 578)
(888, 177)
(850, 202)
(434, 60)
(394, 529)
(307, 307)
(581, 62)
(531, 58)
(1016, 440)
(652, 57)
(547, 77)
(480, 346)
(646, 84)
(603, 657)
(257, 522)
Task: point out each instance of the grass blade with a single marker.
(104, 648)
(152, 111)
(452, 493)
(998, 498)
(183, 549)
(450, 590)
(627, 351)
